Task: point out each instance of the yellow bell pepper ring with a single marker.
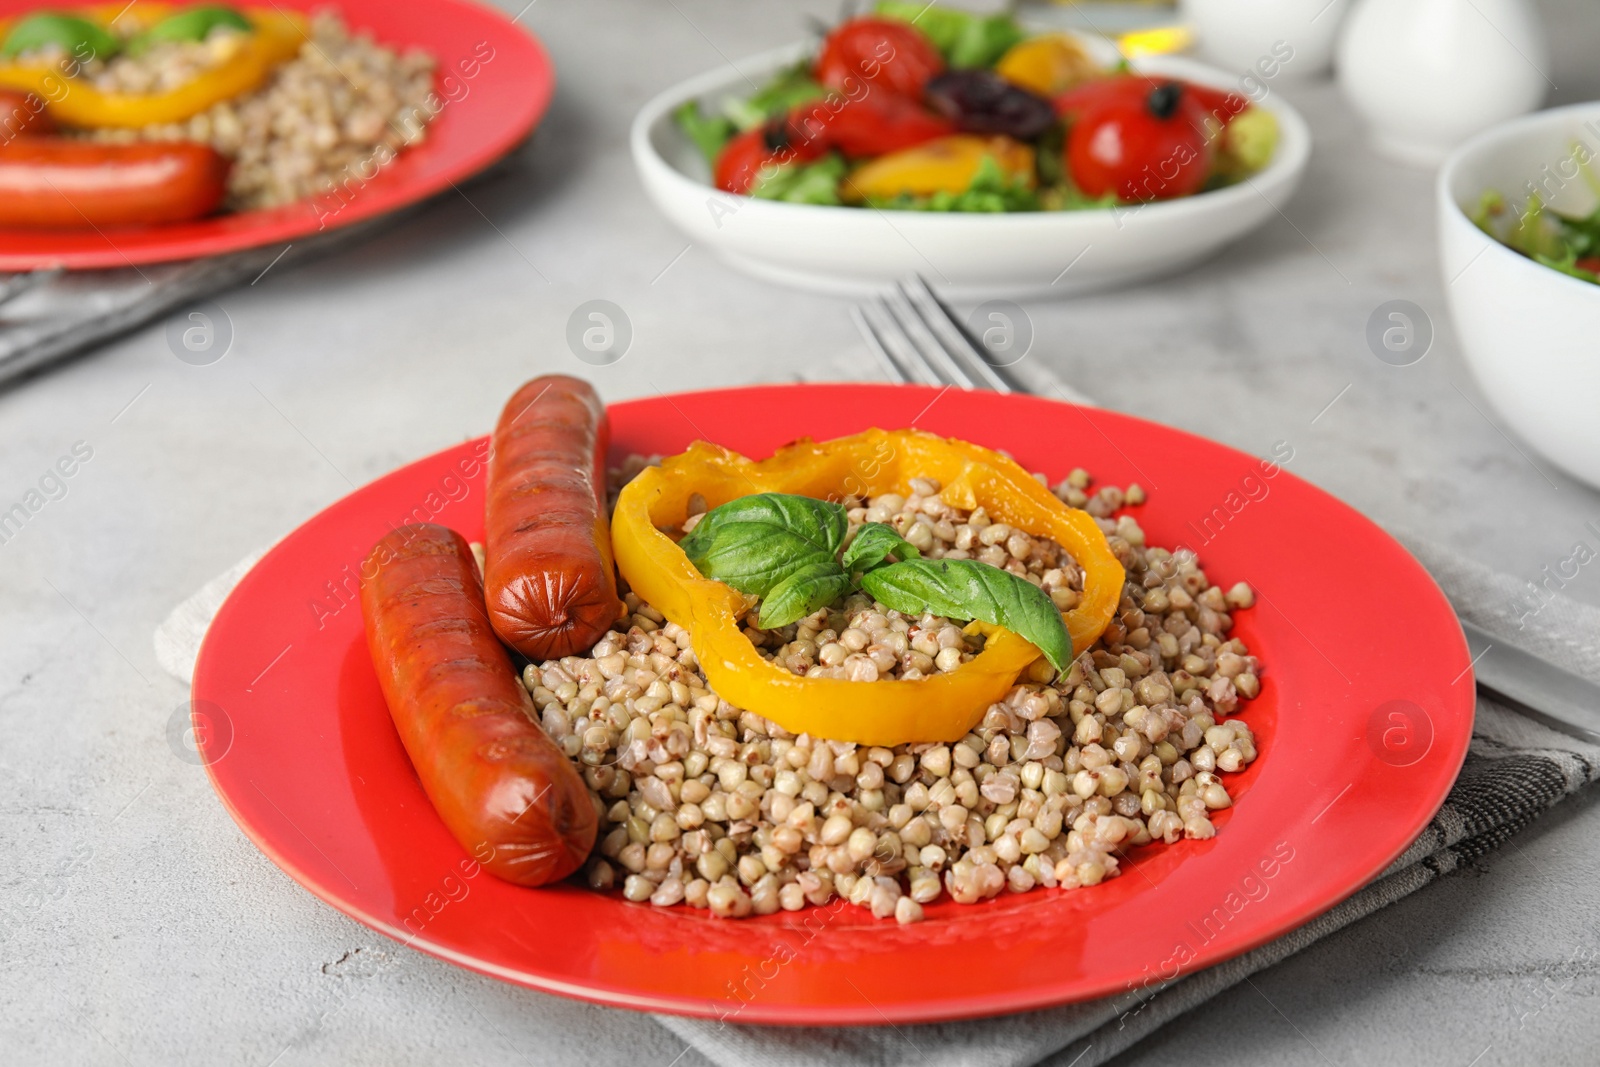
(275, 37)
(942, 707)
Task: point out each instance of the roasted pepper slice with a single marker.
(275, 37)
(938, 708)
(943, 165)
(1048, 64)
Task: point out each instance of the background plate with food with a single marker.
(1003, 161)
(151, 132)
(422, 837)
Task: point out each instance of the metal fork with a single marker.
(917, 338)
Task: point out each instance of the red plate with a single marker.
(1362, 722)
(493, 79)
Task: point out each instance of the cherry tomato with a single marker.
(1148, 147)
(868, 126)
(1589, 263)
(744, 157)
(1075, 101)
(883, 53)
(1218, 104)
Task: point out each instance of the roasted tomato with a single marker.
(883, 53)
(744, 157)
(981, 101)
(1150, 146)
(867, 126)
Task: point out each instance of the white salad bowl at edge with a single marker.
(851, 250)
(1529, 333)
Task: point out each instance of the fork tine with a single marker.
(929, 350)
(887, 361)
(886, 334)
(953, 336)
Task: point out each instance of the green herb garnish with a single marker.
(80, 38)
(963, 38)
(755, 542)
(968, 589)
(874, 543)
(708, 132)
(192, 24)
(785, 549)
(992, 190)
(1569, 244)
(788, 89)
(802, 183)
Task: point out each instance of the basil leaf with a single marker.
(807, 588)
(874, 543)
(754, 542)
(190, 24)
(968, 589)
(80, 38)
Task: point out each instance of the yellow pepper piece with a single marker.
(75, 102)
(942, 165)
(1048, 64)
(941, 707)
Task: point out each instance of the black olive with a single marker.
(775, 135)
(980, 101)
(1163, 99)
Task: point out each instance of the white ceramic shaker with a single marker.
(1238, 34)
(1427, 74)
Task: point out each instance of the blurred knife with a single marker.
(1536, 687)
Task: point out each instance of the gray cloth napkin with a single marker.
(1516, 769)
(51, 315)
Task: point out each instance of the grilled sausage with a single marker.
(22, 114)
(51, 183)
(548, 572)
(496, 779)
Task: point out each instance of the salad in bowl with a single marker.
(922, 108)
(997, 162)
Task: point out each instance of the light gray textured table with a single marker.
(143, 928)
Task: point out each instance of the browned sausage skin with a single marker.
(551, 587)
(499, 783)
(57, 183)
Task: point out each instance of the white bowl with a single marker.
(966, 256)
(1528, 332)
(1297, 35)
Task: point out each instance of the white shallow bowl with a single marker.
(1529, 333)
(967, 256)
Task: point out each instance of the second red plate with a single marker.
(493, 80)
